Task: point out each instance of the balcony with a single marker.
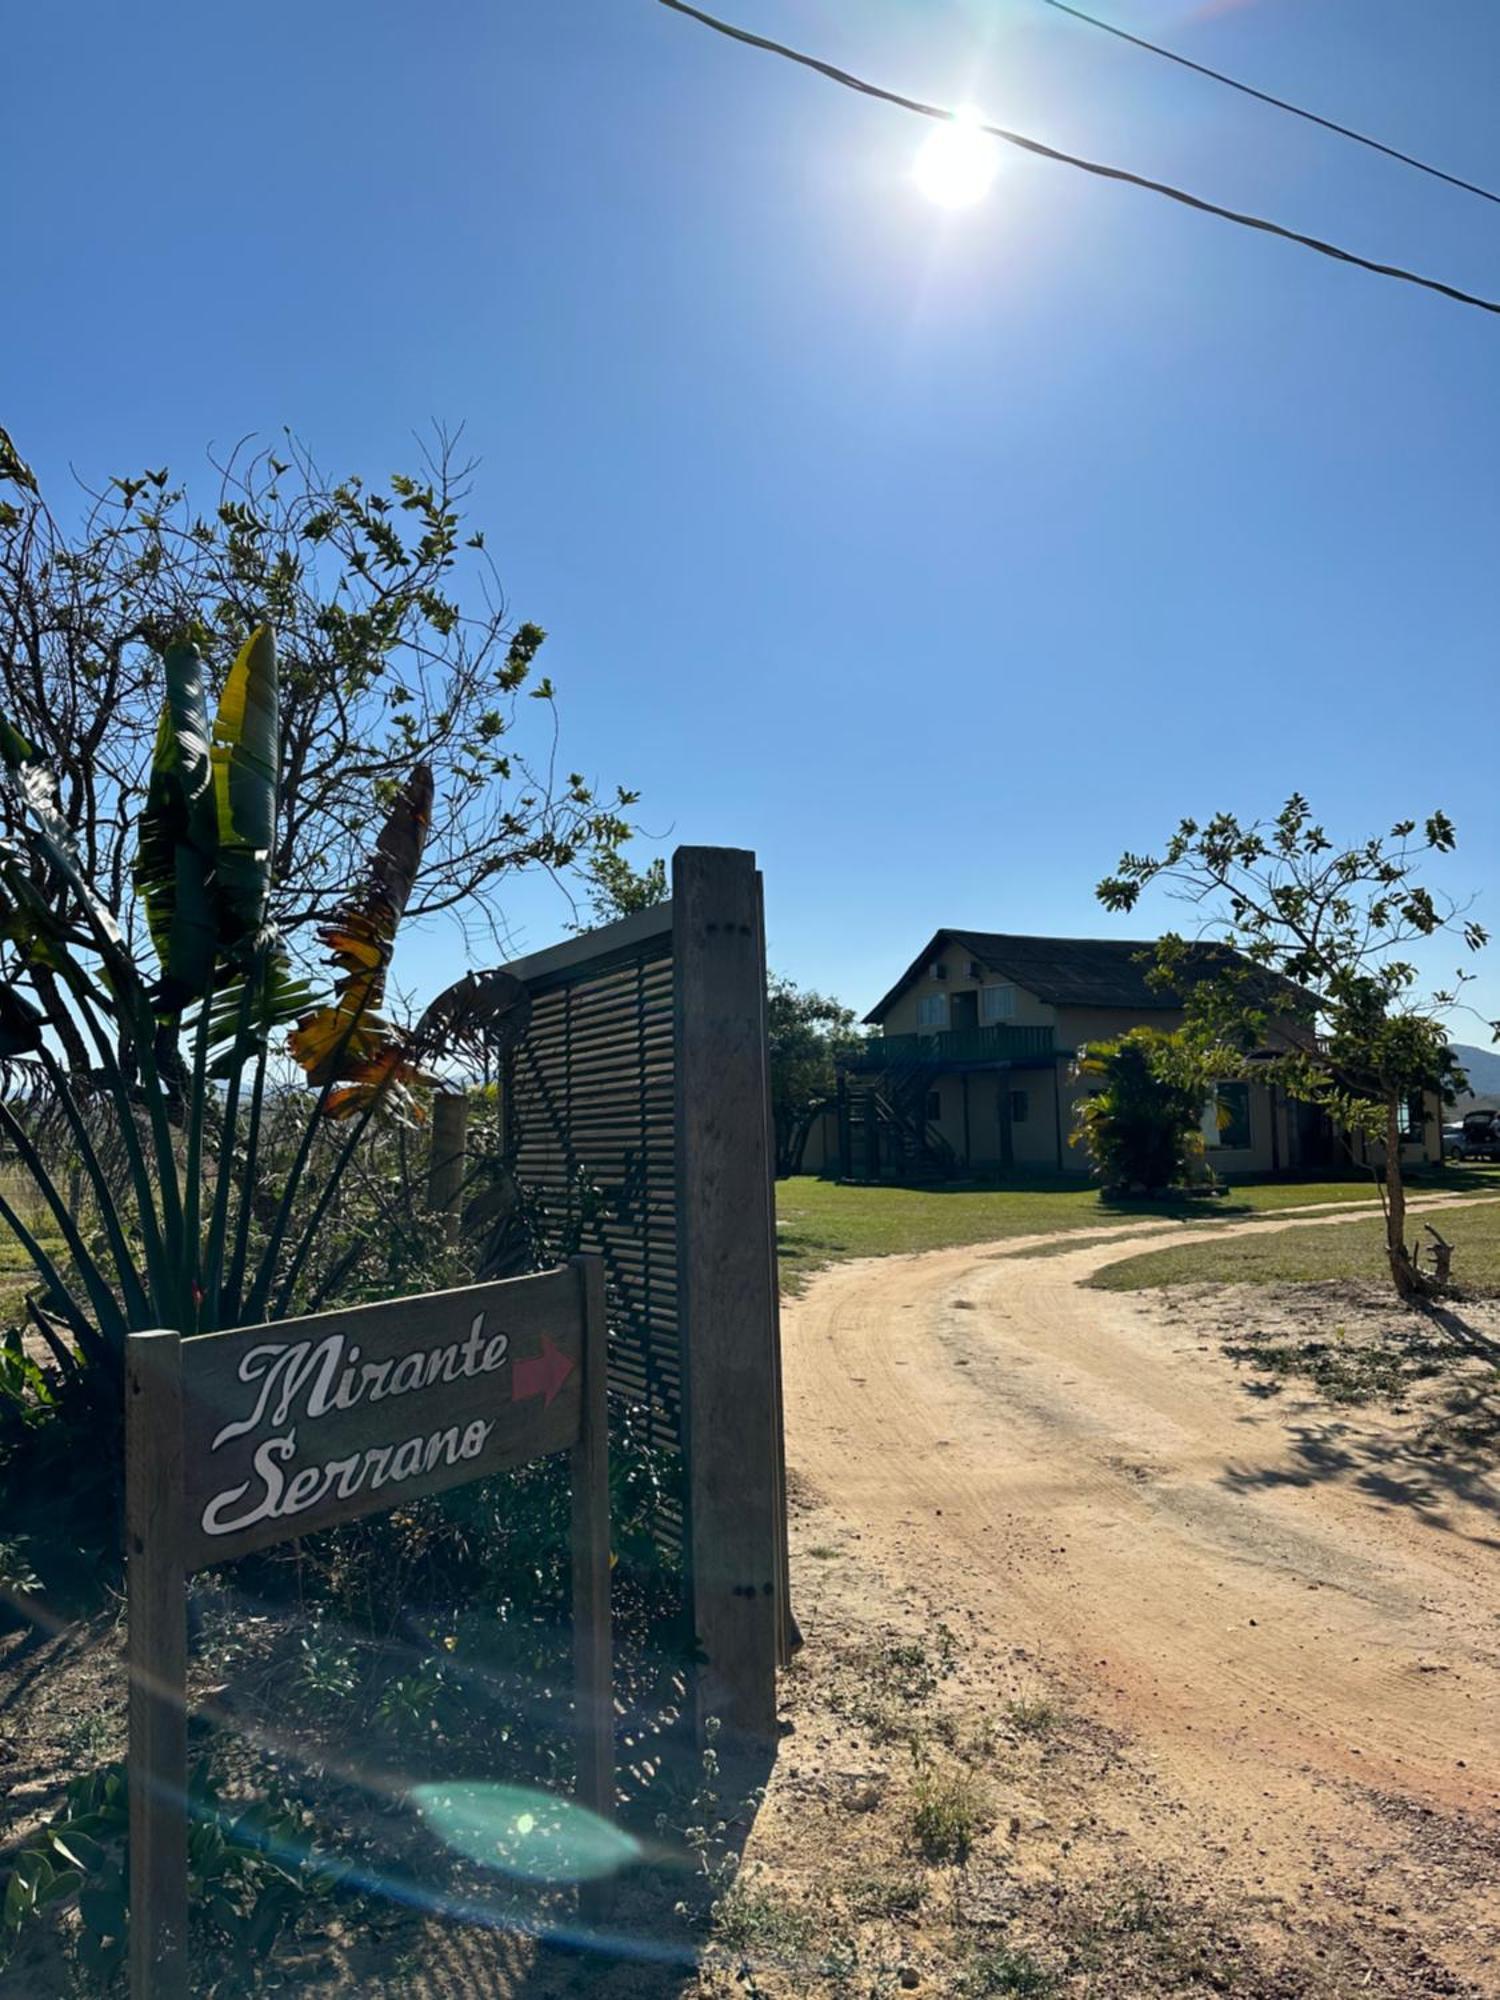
(955, 1048)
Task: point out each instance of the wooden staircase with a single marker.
(884, 1135)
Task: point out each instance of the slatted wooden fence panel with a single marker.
(637, 1109)
(589, 1119)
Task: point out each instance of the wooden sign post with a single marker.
(235, 1441)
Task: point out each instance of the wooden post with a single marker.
(156, 1653)
(593, 1671)
(788, 1635)
(446, 1161)
(726, 1287)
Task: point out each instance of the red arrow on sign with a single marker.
(540, 1374)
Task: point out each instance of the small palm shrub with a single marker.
(1141, 1125)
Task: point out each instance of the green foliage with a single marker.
(1307, 976)
(206, 1218)
(808, 1034)
(396, 649)
(1141, 1124)
(251, 1871)
(616, 889)
(1005, 1969)
(949, 1810)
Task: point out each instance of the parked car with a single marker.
(1477, 1138)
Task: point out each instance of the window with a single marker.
(1414, 1118)
(997, 1003)
(940, 972)
(1226, 1118)
(934, 1106)
(1020, 1105)
(932, 1010)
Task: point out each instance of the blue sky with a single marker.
(935, 557)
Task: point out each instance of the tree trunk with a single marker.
(1404, 1273)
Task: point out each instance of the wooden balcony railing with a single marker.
(954, 1045)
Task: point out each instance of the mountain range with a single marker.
(1482, 1067)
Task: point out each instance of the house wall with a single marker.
(1425, 1151)
(1077, 1025)
(1033, 1137)
(901, 1019)
(821, 1154)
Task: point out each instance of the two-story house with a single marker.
(974, 1067)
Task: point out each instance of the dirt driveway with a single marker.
(1295, 1635)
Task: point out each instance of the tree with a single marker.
(211, 1188)
(396, 649)
(1141, 1126)
(808, 1034)
(1315, 991)
(616, 889)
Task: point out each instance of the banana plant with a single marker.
(170, 1144)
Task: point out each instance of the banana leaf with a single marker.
(239, 1030)
(178, 838)
(246, 759)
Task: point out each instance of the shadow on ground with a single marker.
(1445, 1463)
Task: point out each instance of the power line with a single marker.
(1164, 188)
(1280, 103)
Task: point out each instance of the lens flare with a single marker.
(529, 1835)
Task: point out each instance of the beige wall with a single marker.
(1033, 1136)
(822, 1152)
(1077, 1025)
(902, 1017)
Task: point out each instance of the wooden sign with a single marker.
(235, 1441)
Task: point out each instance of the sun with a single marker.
(956, 163)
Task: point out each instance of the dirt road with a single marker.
(1290, 1621)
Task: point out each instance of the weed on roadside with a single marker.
(755, 1921)
(949, 1810)
(1004, 1970)
(1036, 1717)
(892, 1682)
(1164, 1943)
(1345, 1371)
(878, 1898)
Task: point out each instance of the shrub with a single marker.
(1141, 1127)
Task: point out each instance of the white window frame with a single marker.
(997, 1004)
(932, 1013)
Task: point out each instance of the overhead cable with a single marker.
(1280, 103)
(1096, 167)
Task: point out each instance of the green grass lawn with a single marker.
(821, 1222)
(1307, 1256)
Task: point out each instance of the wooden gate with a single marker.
(637, 1106)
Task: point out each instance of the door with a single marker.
(963, 1011)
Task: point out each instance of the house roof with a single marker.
(1063, 972)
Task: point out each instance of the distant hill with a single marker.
(1483, 1069)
